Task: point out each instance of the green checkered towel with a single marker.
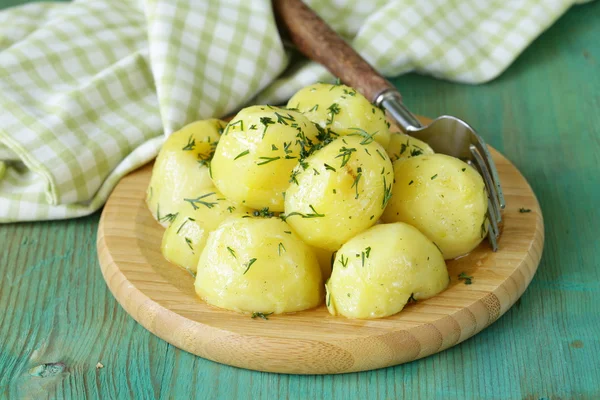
(89, 89)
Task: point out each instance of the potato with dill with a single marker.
(339, 191)
(184, 240)
(403, 146)
(258, 265)
(444, 198)
(341, 109)
(258, 150)
(378, 271)
(181, 168)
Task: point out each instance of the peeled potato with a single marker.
(181, 168)
(184, 240)
(403, 146)
(257, 152)
(444, 198)
(341, 109)
(340, 190)
(258, 265)
(378, 271)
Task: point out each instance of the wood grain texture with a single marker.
(317, 41)
(542, 113)
(161, 296)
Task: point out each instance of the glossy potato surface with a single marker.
(181, 168)
(341, 109)
(444, 198)
(257, 152)
(378, 271)
(184, 239)
(403, 146)
(258, 265)
(340, 191)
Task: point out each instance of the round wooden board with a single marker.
(161, 297)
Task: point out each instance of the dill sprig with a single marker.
(242, 154)
(168, 218)
(387, 193)
(231, 251)
(267, 160)
(282, 119)
(416, 151)
(483, 228)
(184, 222)
(264, 213)
(334, 109)
(249, 264)
(356, 180)
(294, 176)
(343, 260)
(198, 200)
(230, 125)
(190, 144)
(365, 135)
(266, 121)
(345, 154)
(261, 315)
(464, 277)
(313, 214)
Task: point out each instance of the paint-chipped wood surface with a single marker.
(542, 113)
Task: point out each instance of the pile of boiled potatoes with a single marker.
(284, 208)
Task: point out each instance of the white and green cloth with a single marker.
(89, 89)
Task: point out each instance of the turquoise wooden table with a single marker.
(543, 113)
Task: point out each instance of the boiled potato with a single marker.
(185, 238)
(403, 146)
(339, 191)
(378, 271)
(258, 150)
(258, 265)
(444, 198)
(181, 168)
(343, 110)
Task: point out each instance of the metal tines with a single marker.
(454, 137)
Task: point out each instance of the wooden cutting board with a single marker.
(161, 297)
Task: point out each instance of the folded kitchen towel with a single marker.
(90, 89)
